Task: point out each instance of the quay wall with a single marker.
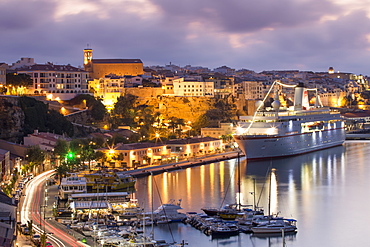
(147, 171)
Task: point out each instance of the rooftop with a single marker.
(116, 61)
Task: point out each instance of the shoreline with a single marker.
(149, 170)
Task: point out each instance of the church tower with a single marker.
(88, 59)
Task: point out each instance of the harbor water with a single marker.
(327, 192)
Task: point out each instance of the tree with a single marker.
(18, 81)
(57, 123)
(38, 116)
(98, 110)
(43, 238)
(61, 149)
(123, 112)
(201, 122)
(30, 227)
(94, 106)
(61, 171)
(35, 157)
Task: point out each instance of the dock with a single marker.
(191, 162)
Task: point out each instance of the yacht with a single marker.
(278, 132)
(72, 184)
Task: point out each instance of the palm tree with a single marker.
(61, 171)
(35, 157)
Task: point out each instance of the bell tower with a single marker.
(88, 59)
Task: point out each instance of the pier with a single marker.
(148, 170)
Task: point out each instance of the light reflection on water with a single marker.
(326, 191)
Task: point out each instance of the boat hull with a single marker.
(262, 147)
(271, 230)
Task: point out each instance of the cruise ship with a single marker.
(277, 132)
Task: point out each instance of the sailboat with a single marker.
(275, 225)
(237, 210)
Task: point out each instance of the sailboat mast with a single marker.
(239, 202)
(152, 205)
(269, 199)
(254, 194)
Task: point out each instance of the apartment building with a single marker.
(138, 154)
(186, 87)
(109, 89)
(61, 82)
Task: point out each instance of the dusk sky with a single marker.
(258, 35)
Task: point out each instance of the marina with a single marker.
(302, 190)
(311, 188)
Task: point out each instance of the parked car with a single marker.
(36, 238)
(48, 244)
(26, 231)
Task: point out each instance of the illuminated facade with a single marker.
(192, 147)
(182, 87)
(134, 154)
(62, 82)
(109, 89)
(223, 130)
(99, 68)
(139, 154)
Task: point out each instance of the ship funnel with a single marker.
(298, 96)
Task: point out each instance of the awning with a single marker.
(90, 205)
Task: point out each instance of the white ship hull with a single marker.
(261, 147)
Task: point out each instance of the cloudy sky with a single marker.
(251, 34)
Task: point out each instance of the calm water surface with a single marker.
(328, 192)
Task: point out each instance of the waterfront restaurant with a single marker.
(134, 155)
(194, 147)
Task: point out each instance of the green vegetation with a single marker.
(35, 157)
(151, 125)
(38, 116)
(75, 155)
(95, 107)
(18, 80)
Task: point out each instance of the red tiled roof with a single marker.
(50, 67)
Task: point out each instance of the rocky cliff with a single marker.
(11, 119)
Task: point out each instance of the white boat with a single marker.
(72, 185)
(170, 211)
(278, 226)
(278, 132)
(223, 230)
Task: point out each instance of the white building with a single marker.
(138, 154)
(182, 87)
(72, 185)
(254, 90)
(62, 82)
(109, 89)
(223, 130)
(25, 61)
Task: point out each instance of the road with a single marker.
(34, 207)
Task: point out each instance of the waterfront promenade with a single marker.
(201, 160)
